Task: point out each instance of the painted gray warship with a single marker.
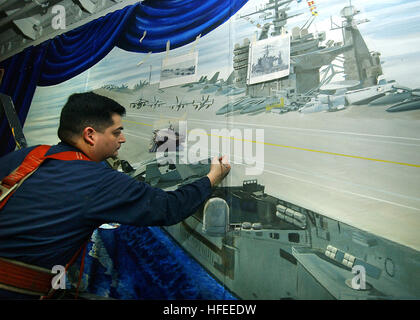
(263, 247)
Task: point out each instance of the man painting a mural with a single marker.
(71, 197)
(320, 96)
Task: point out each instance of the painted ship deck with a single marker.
(360, 166)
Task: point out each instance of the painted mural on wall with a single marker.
(328, 117)
(386, 50)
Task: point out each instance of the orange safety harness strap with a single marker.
(24, 278)
(31, 162)
(17, 276)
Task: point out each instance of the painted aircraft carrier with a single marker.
(338, 190)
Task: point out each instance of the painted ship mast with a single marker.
(359, 63)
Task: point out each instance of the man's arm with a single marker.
(123, 199)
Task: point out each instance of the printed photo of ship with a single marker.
(178, 70)
(269, 59)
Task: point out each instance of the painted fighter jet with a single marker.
(202, 84)
(203, 103)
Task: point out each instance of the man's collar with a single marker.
(62, 147)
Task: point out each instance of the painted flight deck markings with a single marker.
(286, 128)
(325, 186)
(318, 176)
(337, 189)
(144, 124)
(305, 149)
(341, 190)
(341, 181)
(343, 155)
(144, 137)
(310, 131)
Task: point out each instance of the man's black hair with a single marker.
(86, 110)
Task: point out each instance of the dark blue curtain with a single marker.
(77, 50)
(179, 21)
(67, 55)
(19, 82)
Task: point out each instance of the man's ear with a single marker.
(89, 136)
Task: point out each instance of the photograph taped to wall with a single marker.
(179, 70)
(269, 59)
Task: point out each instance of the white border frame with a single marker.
(168, 61)
(280, 42)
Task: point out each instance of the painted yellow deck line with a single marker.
(144, 124)
(302, 149)
(324, 152)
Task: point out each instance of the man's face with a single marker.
(110, 140)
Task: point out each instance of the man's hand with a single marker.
(219, 169)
